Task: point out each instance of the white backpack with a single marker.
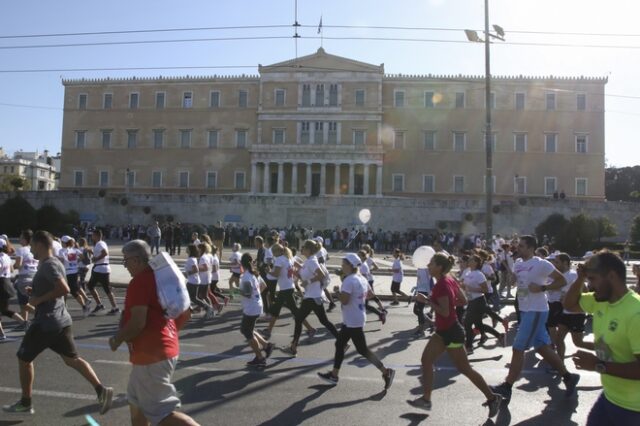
(326, 281)
(171, 286)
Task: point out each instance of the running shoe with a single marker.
(3, 337)
(105, 399)
(266, 333)
(419, 334)
(268, 350)
(503, 390)
(394, 303)
(86, 310)
(328, 377)
(388, 378)
(23, 326)
(483, 339)
(18, 408)
(331, 307)
(420, 403)
(257, 362)
(383, 318)
(114, 311)
(571, 384)
(289, 350)
(469, 350)
(494, 405)
(311, 333)
(97, 309)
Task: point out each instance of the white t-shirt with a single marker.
(536, 271)
(322, 255)
(366, 272)
(313, 289)
(370, 265)
(251, 300)
(269, 260)
(188, 267)
(56, 248)
(353, 313)
(488, 270)
(29, 264)
(472, 280)
(397, 276)
(5, 265)
(205, 276)
(101, 265)
(235, 262)
(285, 279)
(215, 267)
(71, 257)
(571, 277)
(423, 280)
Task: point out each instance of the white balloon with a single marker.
(364, 216)
(422, 256)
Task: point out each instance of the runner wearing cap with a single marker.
(70, 256)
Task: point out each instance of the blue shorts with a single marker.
(532, 331)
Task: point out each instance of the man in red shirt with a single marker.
(153, 344)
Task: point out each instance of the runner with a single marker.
(531, 275)
(373, 266)
(27, 266)
(616, 329)
(100, 274)
(71, 256)
(449, 336)
(51, 328)
(323, 258)
(83, 263)
(215, 278)
(197, 292)
(6, 288)
(235, 268)
(424, 286)
(398, 275)
(353, 293)
(270, 279)
(366, 274)
(205, 267)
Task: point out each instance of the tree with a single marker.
(635, 230)
(621, 184)
(577, 234)
(14, 183)
(553, 227)
(16, 214)
(605, 228)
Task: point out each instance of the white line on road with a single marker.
(54, 394)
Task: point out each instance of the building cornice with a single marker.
(480, 78)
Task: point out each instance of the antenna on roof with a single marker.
(296, 36)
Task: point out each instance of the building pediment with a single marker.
(321, 61)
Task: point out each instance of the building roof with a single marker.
(324, 62)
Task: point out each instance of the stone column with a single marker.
(280, 177)
(379, 181)
(266, 178)
(254, 177)
(352, 178)
(336, 180)
(308, 189)
(365, 190)
(323, 179)
(294, 178)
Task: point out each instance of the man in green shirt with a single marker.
(616, 329)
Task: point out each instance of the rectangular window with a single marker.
(81, 139)
(520, 101)
(459, 141)
(278, 136)
(333, 133)
(214, 99)
(132, 139)
(106, 139)
(305, 132)
(333, 95)
(160, 100)
(318, 134)
(581, 102)
(158, 138)
(550, 101)
(130, 178)
(581, 144)
(398, 139)
(280, 98)
(493, 141)
(82, 101)
(359, 137)
(107, 101)
(212, 180)
(520, 185)
(398, 98)
(78, 178)
(133, 100)
(398, 183)
(428, 100)
(156, 179)
(241, 139)
(187, 100)
(306, 95)
(550, 142)
(459, 99)
(319, 94)
(458, 184)
(183, 179)
(549, 185)
(429, 140)
(360, 94)
(243, 98)
(239, 180)
(185, 138)
(429, 183)
(520, 142)
(581, 187)
(104, 178)
(213, 138)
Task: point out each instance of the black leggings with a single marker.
(198, 294)
(357, 335)
(306, 307)
(284, 298)
(4, 308)
(213, 287)
(376, 299)
(269, 294)
(473, 317)
(418, 309)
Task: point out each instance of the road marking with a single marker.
(55, 394)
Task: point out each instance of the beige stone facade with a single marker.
(323, 125)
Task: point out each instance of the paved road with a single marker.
(216, 388)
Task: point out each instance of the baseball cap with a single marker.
(3, 243)
(319, 239)
(588, 254)
(353, 259)
(65, 239)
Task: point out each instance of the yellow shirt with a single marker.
(616, 327)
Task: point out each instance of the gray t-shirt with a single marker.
(51, 315)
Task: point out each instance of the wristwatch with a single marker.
(601, 367)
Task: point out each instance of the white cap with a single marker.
(4, 237)
(353, 259)
(319, 239)
(588, 254)
(3, 243)
(65, 239)
(552, 256)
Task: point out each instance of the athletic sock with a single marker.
(99, 388)
(566, 376)
(26, 402)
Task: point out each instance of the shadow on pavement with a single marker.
(414, 418)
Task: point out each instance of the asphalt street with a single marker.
(216, 388)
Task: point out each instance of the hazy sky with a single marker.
(31, 103)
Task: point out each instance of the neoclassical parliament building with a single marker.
(324, 125)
